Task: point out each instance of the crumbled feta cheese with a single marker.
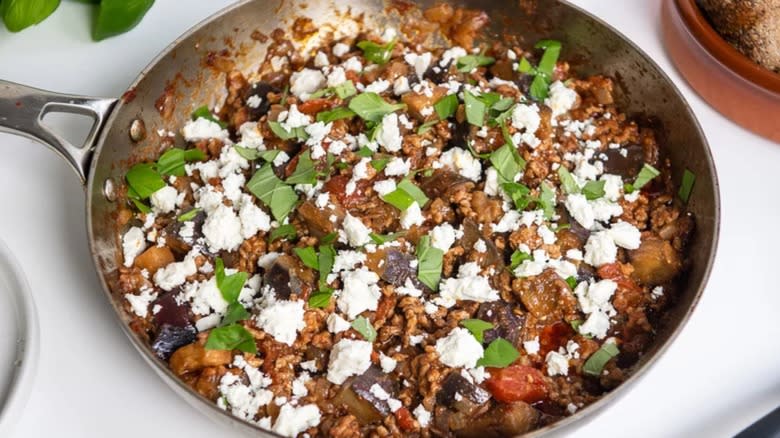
(293, 420)
(625, 235)
(510, 221)
(174, 274)
(574, 254)
(254, 101)
(580, 210)
(600, 249)
(532, 346)
(459, 349)
(561, 100)
(353, 64)
(281, 158)
(408, 289)
(360, 292)
(547, 235)
(164, 200)
(444, 235)
(401, 86)
(140, 303)
(387, 363)
(423, 416)
(133, 244)
(426, 111)
(526, 117)
(389, 135)
(480, 246)
(463, 162)
(412, 216)
(337, 77)
(250, 135)
(557, 364)
(305, 82)
(278, 62)
(379, 86)
(340, 49)
(346, 260)
(420, 62)
(232, 186)
(349, 358)
(222, 229)
(321, 59)
(282, 320)
(398, 167)
(468, 286)
(293, 119)
(452, 54)
(384, 187)
(357, 233)
(337, 324)
(657, 292)
(243, 401)
(203, 129)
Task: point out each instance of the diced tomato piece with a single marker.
(554, 336)
(314, 106)
(337, 186)
(405, 420)
(517, 383)
(614, 272)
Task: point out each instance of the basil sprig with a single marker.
(364, 327)
(372, 107)
(646, 174)
(468, 63)
(595, 363)
(689, 178)
(517, 258)
(499, 354)
(477, 327)
(230, 335)
(144, 179)
(543, 73)
(429, 263)
(273, 192)
(21, 14)
(406, 194)
(377, 53)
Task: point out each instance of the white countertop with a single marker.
(721, 374)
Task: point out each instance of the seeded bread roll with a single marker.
(752, 26)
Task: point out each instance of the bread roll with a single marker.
(752, 26)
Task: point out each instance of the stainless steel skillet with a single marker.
(177, 81)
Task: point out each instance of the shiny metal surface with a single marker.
(591, 47)
(22, 109)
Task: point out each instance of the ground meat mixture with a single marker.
(378, 237)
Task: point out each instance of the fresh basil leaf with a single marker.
(234, 313)
(229, 285)
(364, 327)
(345, 90)
(468, 63)
(377, 53)
(204, 112)
(547, 200)
(115, 17)
(321, 299)
(365, 152)
(552, 50)
(285, 95)
(281, 132)
(144, 180)
(172, 161)
(308, 256)
(689, 178)
(415, 192)
(188, 216)
(518, 257)
(304, 173)
(446, 106)
(231, 337)
(477, 327)
(286, 231)
(143, 208)
(325, 260)
(593, 190)
(540, 88)
(572, 282)
(279, 197)
(380, 163)
(575, 324)
(519, 193)
(646, 174)
(381, 239)
(504, 162)
(335, 114)
(525, 67)
(425, 127)
(371, 107)
(559, 227)
(429, 263)
(475, 109)
(474, 153)
(568, 183)
(247, 153)
(329, 238)
(595, 363)
(21, 14)
(499, 354)
(512, 146)
(399, 199)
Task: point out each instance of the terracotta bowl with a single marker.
(733, 84)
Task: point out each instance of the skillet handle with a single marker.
(22, 109)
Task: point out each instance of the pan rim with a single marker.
(588, 413)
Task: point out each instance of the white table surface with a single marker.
(721, 374)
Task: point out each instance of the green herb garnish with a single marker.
(468, 63)
(595, 363)
(687, 185)
(381, 239)
(321, 299)
(188, 216)
(518, 257)
(446, 106)
(204, 112)
(475, 109)
(304, 173)
(118, 16)
(282, 132)
(499, 354)
(286, 231)
(308, 256)
(429, 263)
(477, 327)
(377, 53)
(364, 327)
(572, 282)
(229, 285)
(335, 114)
(547, 200)
(593, 190)
(540, 87)
(371, 107)
(425, 127)
(646, 174)
(144, 180)
(519, 193)
(234, 313)
(231, 337)
(568, 183)
(273, 192)
(405, 194)
(172, 161)
(380, 163)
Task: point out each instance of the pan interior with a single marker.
(236, 35)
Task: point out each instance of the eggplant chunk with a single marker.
(171, 312)
(398, 268)
(628, 165)
(444, 183)
(317, 220)
(286, 276)
(655, 262)
(506, 324)
(181, 235)
(456, 389)
(504, 420)
(170, 338)
(471, 235)
(360, 401)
